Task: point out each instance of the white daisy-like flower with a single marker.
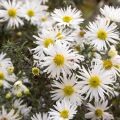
(111, 13)
(79, 35)
(39, 116)
(102, 34)
(67, 17)
(62, 34)
(21, 107)
(79, 39)
(60, 59)
(12, 115)
(67, 88)
(64, 110)
(45, 21)
(11, 12)
(6, 79)
(31, 11)
(6, 64)
(111, 65)
(96, 83)
(98, 111)
(43, 40)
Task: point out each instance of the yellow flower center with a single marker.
(64, 114)
(59, 36)
(8, 95)
(99, 112)
(67, 19)
(102, 34)
(44, 18)
(3, 118)
(59, 60)
(68, 90)
(35, 71)
(30, 13)
(12, 12)
(107, 64)
(19, 94)
(2, 77)
(48, 41)
(94, 81)
(82, 33)
(10, 70)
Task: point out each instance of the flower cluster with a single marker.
(81, 63)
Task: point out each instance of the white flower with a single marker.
(6, 64)
(44, 21)
(79, 35)
(11, 12)
(111, 65)
(79, 39)
(31, 11)
(6, 79)
(44, 39)
(98, 111)
(60, 60)
(21, 107)
(39, 116)
(64, 110)
(96, 83)
(101, 33)
(67, 88)
(62, 34)
(67, 17)
(12, 115)
(111, 13)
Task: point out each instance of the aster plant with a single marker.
(60, 59)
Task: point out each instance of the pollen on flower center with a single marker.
(64, 114)
(10, 70)
(68, 90)
(102, 34)
(99, 112)
(59, 59)
(12, 12)
(107, 64)
(48, 41)
(44, 18)
(30, 13)
(59, 36)
(94, 81)
(67, 19)
(2, 75)
(35, 71)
